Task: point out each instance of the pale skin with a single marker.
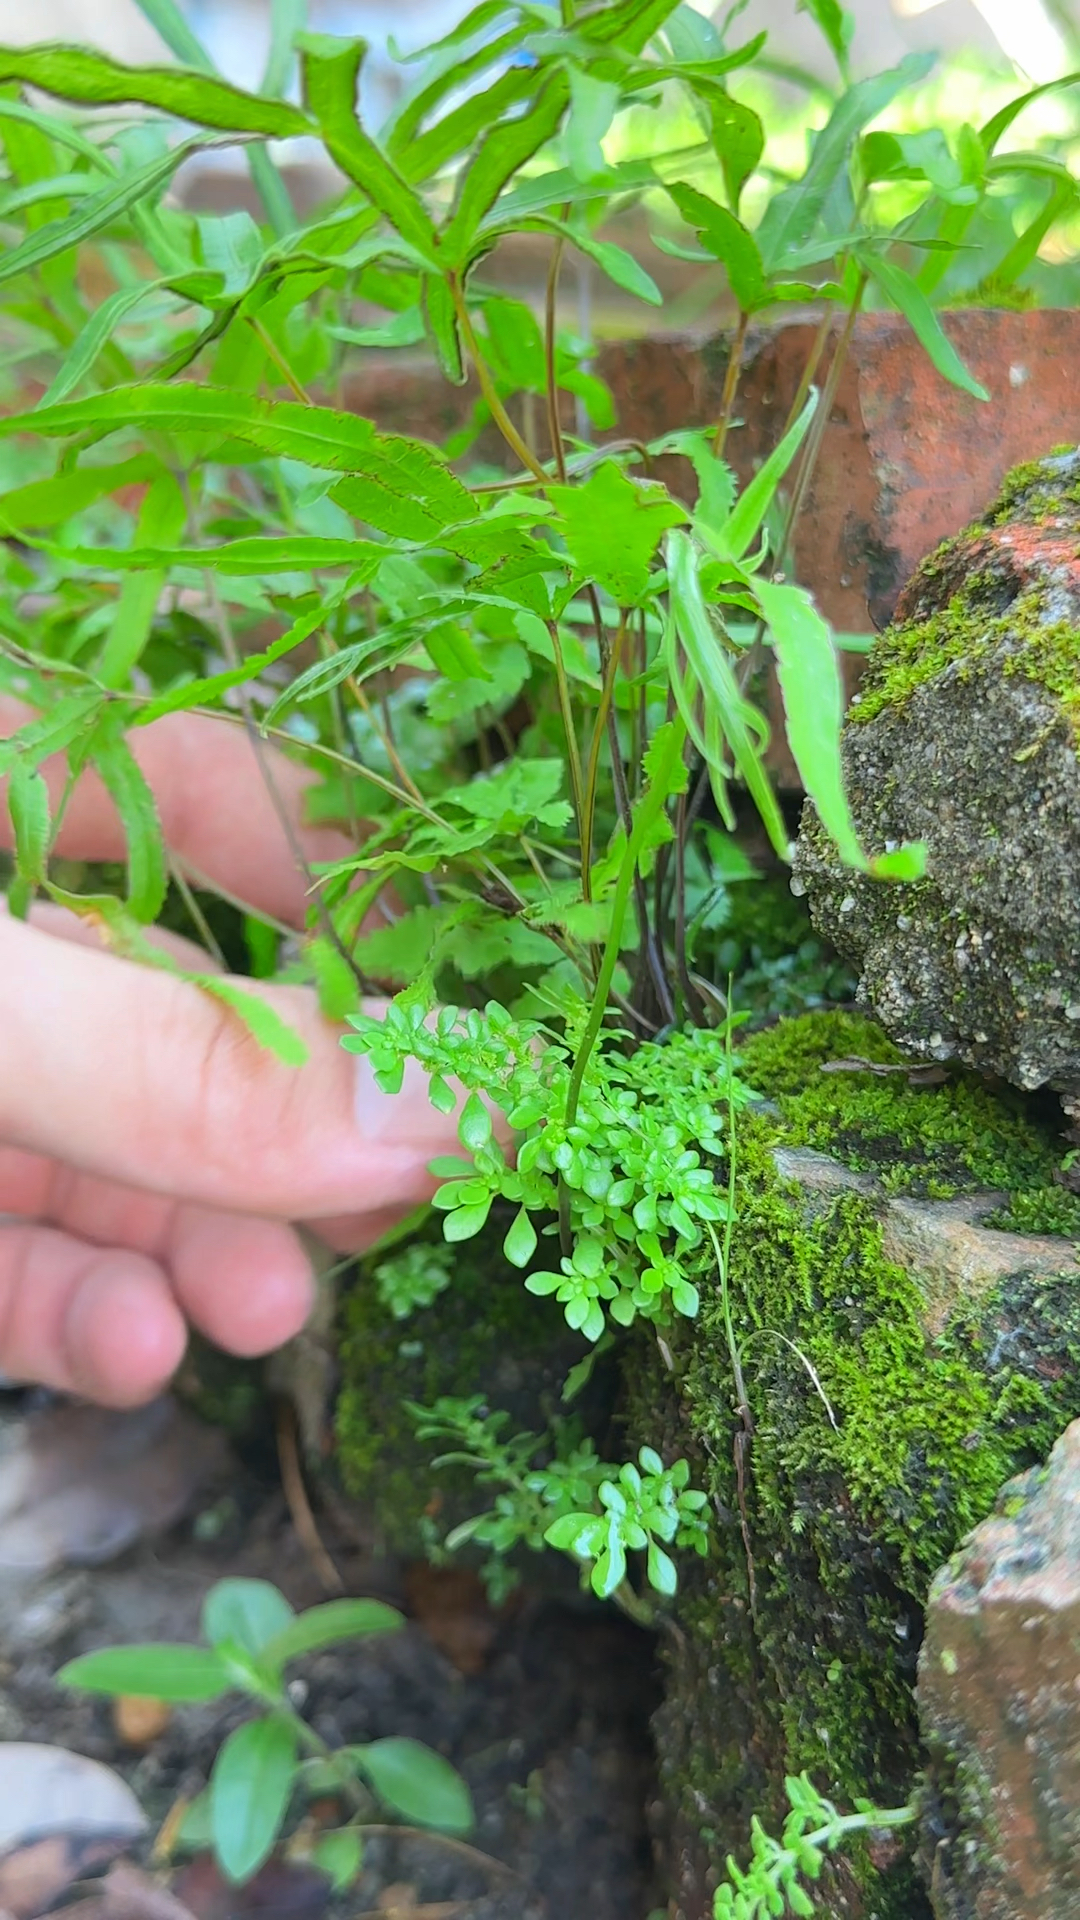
(154, 1160)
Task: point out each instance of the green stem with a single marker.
(592, 771)
(649, 808)
(573, 752)
(487, 386)
(731, 384)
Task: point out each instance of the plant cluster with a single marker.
(573, 1500)
(529, 691)
(276, 1758)
(771, 1885)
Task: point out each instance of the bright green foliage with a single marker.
(634, 1163)
(772, 1884)
(527, 694)
(574, 1501)
(264, 1765)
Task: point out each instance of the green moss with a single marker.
(962, 635)
(881, 1436)
(1049, 1210)
(928, 1140)
(485, 1334)
(973, 611)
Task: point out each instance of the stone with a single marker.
(999, 1706)
(964, 736)
(904, 1302)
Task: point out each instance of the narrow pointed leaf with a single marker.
(908, 297)
(147, 865)
(157, 1672)
(97, 211)
(28, 805)
(747, 516)
(325, 1626)
(92, 80)
(813, 696)
(331, 72)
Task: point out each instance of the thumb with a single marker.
(140, 1077)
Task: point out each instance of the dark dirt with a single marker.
(549, 1726)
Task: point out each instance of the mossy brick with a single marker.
(887, 1414)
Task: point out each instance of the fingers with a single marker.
(216, 812)
(244, 1282)
(99, 1322)
(84, 932)
(137, 1076)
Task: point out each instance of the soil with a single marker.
(548, 1722)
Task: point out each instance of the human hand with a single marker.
(153, 1154)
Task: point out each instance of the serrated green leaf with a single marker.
(418, 1783)
(790, 218)
(738, 140)
(908, 297)
(28, 805)
(503, 151)
(127, 786)
(256, 554)
(161, 519)
(398, 485)
(335, 982)
(157, 1672)
(93, 80)
(729, 241)
(249, 1612)
(250, 1788)
(47, 503)
(96, 212)
(612, 526)
(52, 732)
(327, 1625)
(441, 326)
(331, 74)
(263, 1021)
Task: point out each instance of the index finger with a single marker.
(217, 813)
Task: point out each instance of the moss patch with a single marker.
(932, 1141)
(485, 1334)
(969, 602)
(876, 1446)
(961, 636)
